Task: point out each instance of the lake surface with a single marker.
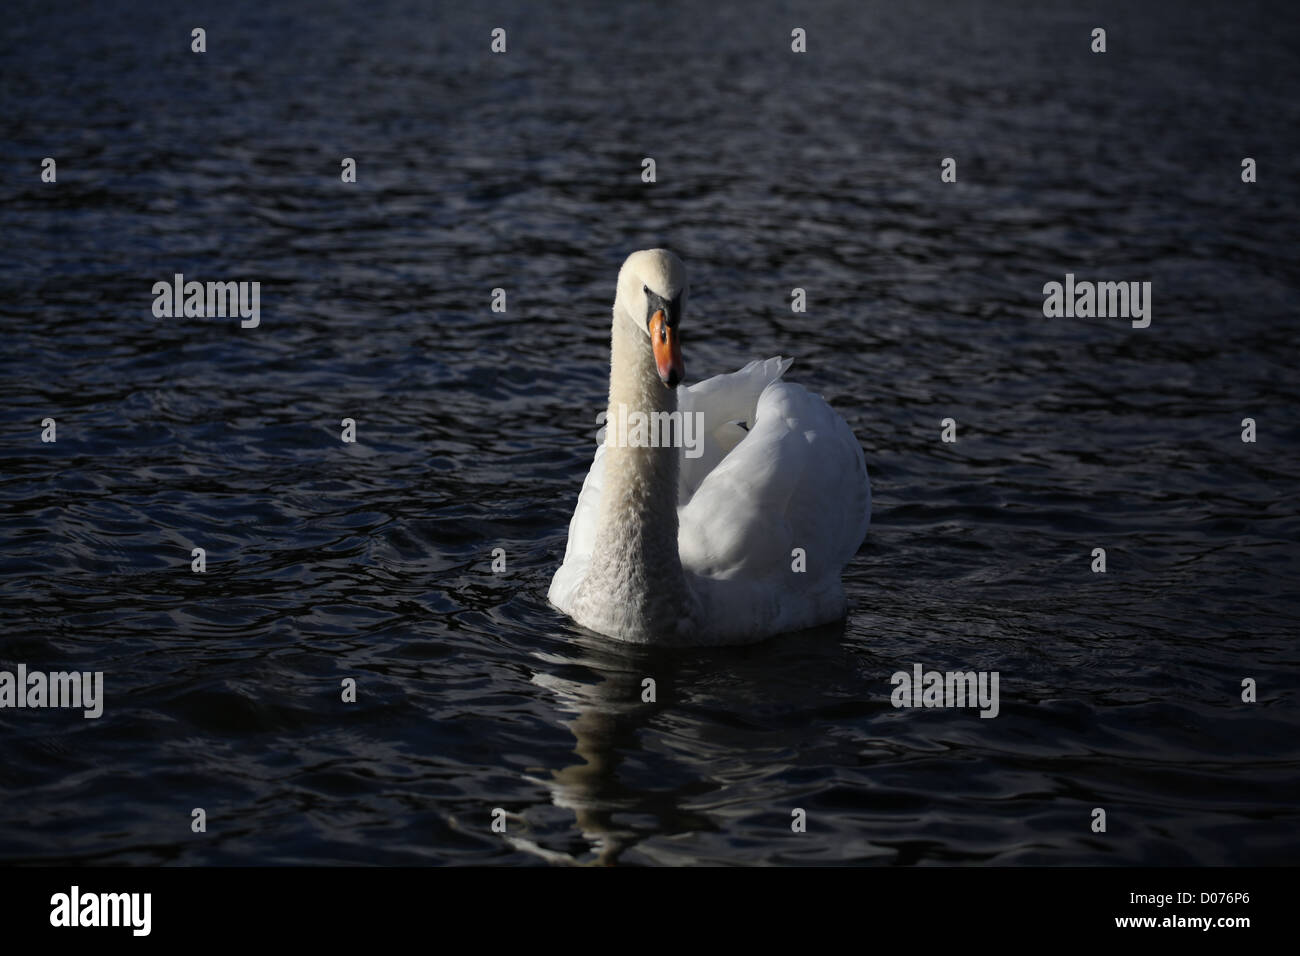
(522, 171)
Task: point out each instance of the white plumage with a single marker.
(766, 517)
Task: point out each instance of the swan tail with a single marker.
(767, 370)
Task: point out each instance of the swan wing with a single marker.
(582, 536)
(721, 402)
(797, 480)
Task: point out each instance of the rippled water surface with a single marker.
(775, 170)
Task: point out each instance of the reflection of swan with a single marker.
(590, 789)
(603, 693)
(656, 782)
(743, 540)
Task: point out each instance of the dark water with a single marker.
(373, 560)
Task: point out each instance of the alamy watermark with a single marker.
(75, 908)
(1102, 300)
(211, 300)
(922, 688)
(638, 429)
(76, 689)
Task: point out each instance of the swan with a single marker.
(735, 530)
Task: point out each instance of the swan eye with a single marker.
(645, 289)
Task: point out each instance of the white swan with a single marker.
(665, 548)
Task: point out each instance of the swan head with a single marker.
(652, 297)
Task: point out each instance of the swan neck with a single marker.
(635, 559)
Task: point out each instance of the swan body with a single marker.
(736, 531)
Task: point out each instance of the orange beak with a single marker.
(668, 350)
